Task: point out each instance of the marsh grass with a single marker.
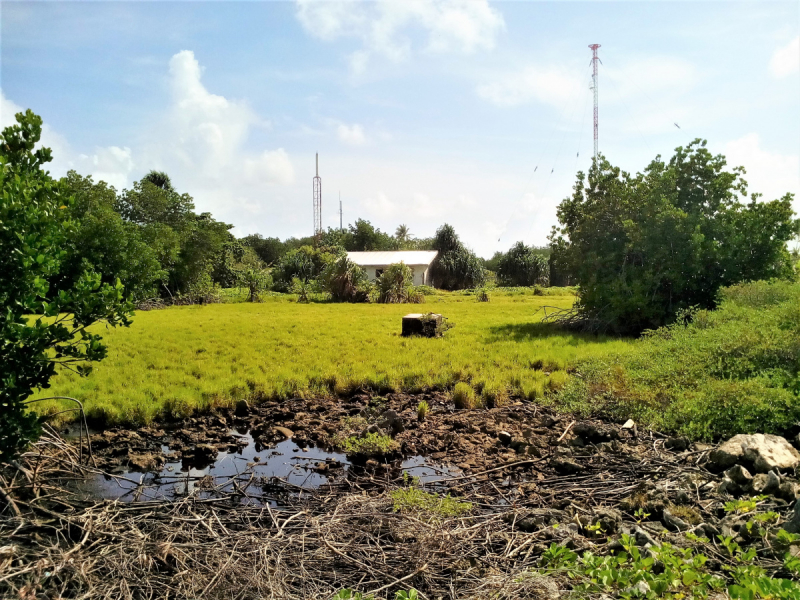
(174, 361)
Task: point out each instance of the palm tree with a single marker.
(402, 234)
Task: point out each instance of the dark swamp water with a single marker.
(253, 474)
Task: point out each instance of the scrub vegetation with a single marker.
(712, 374)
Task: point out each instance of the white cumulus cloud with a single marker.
(769, 173)
(786, 60)
(556, 86)
(387, 28)
(351, 134)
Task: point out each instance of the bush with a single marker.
(33, 231)
(645, 247)
(523, 266)
(711, 375)
(396, 286)
(455, 267)
(345, 281)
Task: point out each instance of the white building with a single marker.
(375, 263)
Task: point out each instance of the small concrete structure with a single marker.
(428, 325)
(375, 263)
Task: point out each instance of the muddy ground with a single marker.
(532, 476)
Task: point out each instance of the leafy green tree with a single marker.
(363, 236)
(644, 247)
(102, 241)
(305, 264)
(455, 267)
(34, 226)
(148, 203)
(523, 266)
(269, 250)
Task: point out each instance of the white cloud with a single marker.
(111, 164)
(200, 140)
(386, 28)
(768, 173)
(786, 60)
(556, 86)
(351, 134)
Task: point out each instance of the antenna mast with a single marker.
(594, 48)
(340, 212)
(317, 202)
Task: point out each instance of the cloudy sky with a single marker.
(423, 111)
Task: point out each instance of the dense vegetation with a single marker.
(34, 226)
(715, 373)
(644, 247)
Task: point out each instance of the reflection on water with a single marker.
(247, 471)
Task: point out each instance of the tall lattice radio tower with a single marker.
(317, 202)
(595, 59)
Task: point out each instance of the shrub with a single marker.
(370, 444)
(713, 374)
(345, 281)
(645, 247)
(413, 499)
(482, 295)
(523, 266)
(464, 396)
(396, 286)
(455, 267)
(33, 230)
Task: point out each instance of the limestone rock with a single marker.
(792, 524)
(764, 452)
(765, 483)
(739, 475)
(392, 422)
(287, 433)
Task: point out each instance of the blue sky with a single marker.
(423, 111)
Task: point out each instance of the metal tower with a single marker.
(594, 48)
(317, 202)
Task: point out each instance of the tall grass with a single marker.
(179, 359)
(732, 370)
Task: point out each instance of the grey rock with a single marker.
(609, 519)
(765, 483)
(674, 523)
(792, 524)
(711, 531)
(677, 444)
(739, 475)
(641, 588)
(727, 486)
(764, 452)
(392, 422)
(787, 491)
(643, 538)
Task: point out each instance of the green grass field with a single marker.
(175, 360)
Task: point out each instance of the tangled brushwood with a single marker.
(572, 511)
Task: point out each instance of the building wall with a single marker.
(420, 273)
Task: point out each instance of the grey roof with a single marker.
(377, 259)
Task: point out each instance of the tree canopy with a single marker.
(455, 267)
(35, 227)
(645, 247)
